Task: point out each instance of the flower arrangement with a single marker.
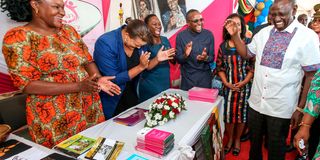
(163, 109)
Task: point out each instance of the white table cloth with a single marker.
(186, 127)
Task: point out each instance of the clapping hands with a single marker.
(187, 49)
(95, 84)
(163, 55)
(89, 84)
(107, 86)
(204, 56)
(144, 60)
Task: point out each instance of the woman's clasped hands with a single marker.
(96, 84)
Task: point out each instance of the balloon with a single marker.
(260, 6)
(260, 19)
(256, 13)
(265, 12)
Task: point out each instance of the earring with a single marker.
(37, 12)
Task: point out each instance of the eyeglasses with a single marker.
(197, 20)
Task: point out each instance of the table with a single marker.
(185, 127)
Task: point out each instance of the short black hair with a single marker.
(189, 12)
(301, 16)
(18, 10)
(148, 17)
(226, 35)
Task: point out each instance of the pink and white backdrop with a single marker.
(94, 17)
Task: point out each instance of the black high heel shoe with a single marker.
(245, 137)
(227, 149)
(236, 151)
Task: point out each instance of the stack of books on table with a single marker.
(203, 94)
(154, 142)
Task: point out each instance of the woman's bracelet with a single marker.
(305, 124)
(299, 109)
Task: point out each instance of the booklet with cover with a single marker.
(131, 117)
(105, 149)
(75, 145)
(57, 156)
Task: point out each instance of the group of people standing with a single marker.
(69, 91)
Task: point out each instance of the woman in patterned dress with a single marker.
(49, 61)
(312, 111)
(236, 74)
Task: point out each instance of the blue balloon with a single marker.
(261, 18)
(267, 4)
(265, 12)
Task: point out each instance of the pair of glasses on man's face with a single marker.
(197, 20)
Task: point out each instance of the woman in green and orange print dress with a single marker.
(311, 112)
(48, 60)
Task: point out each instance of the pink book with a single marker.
(154, 136)
(154, 151)
(131, 117)
(203, 94)
(153, 144)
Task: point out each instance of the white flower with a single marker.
(150, 106)
(174, 105)
(166, 107)
(179, 109)
(171, 114)
(149, 123)
(161, 123)
(159, 106)
(148, 118)
(165, 120)
(154, 123)
(158, 116)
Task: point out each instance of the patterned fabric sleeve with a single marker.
(20, 59)
(313, 99)
(220, 64)
(81, 44)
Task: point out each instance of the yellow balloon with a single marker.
(256, 13)
(260, 6)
